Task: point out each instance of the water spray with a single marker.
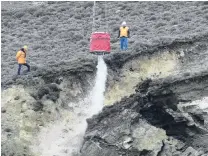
(99, 87)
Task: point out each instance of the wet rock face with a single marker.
(124, 134)
(148, 123)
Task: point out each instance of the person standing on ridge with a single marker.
(21, 59)
(124, 34)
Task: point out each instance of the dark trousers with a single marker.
(20, 66)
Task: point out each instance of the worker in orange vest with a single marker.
(124, 34)
(21, 59)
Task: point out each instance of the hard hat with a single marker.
(123, 23)
(25, 47)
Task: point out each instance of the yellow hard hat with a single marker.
(25, 47)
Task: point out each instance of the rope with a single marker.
(93, 22)
(106, 28)
(105, 15)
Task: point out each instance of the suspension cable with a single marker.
(106, 28)
(105, 17)
(93, 24)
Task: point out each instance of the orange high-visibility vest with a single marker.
(21, 58)
(124, 31)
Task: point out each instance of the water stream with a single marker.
(64, 137)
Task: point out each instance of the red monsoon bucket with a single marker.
(100, 43)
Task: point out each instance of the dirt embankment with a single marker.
(163, 104)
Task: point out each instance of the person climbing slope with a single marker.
(21, 59)
(124, 34)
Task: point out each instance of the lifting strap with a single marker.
(105, 15)
(93, 22)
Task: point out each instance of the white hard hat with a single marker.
(123, 23)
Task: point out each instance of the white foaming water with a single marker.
(64, 137)
(99, 88)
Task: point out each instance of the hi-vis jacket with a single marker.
(21, 57)
(124, 32)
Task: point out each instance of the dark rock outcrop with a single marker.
(124, 128)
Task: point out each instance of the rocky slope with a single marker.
(159, 119)
(156, 92)
(163, 104)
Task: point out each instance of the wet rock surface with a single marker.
(150, 123)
